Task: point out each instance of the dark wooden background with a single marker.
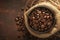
(8, 12)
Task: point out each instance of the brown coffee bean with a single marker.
(45, 16)
(33, 17)
(17, 23)
(38, 11)
(43, 12)
(17, 19)
(42, 26)
(37, 14)
(40, 19)
(48, 17)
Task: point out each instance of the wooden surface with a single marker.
(8, 12)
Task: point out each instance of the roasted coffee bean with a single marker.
(17, 23)
(41, 19)
(17, 19)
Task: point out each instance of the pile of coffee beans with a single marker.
(41, 19)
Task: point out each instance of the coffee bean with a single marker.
(40, 19)
(17, 23)
(48, 17)
(33, 17)
(16, 19)
(42, 26)
(43, 12)
(38, 11)
(45, 16)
